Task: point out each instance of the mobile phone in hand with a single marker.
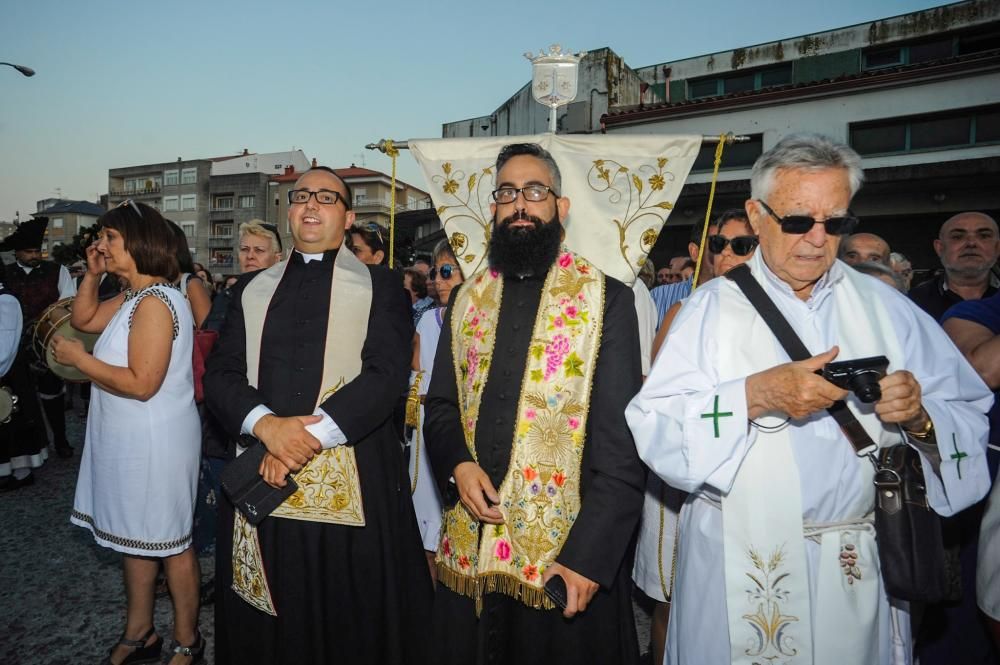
(555, 589)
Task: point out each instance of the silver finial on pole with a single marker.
(553, 79)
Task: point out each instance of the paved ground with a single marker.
(61, 595)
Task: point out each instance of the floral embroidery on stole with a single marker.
(540, 493)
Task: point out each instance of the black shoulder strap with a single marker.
(796, 350)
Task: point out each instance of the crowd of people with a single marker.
(453, 468)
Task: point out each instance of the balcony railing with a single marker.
(125, 192)
(220, 263)
(220, 241)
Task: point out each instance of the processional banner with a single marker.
(621, 191)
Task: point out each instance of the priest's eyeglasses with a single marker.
(325, 197)
(446, 272)
(801, 224)
(534, 193)
(130, 203)
(741, 245)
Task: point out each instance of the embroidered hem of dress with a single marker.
(130, 545)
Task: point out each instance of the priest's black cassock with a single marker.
(599, 545)
(343, 594)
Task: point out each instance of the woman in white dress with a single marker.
(139, 471)
(446, 275)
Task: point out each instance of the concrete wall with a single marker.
(898, 28)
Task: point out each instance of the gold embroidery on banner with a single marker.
(769, 639)
(249, 581)
(540, 493)
(627, 188)
(467, 197)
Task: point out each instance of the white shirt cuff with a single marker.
(326, 431)
(255, 414)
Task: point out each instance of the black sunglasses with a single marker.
(801, 224)
(445, 272)
(742, 245)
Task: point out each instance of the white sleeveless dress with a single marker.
(426, 498)
(139, 469)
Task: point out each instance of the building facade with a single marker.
(66, 219)
(917, 95)
(207, 198)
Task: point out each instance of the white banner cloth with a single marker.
(621, 188)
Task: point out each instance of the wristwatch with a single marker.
(927, 430)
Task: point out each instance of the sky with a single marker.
(127, 83)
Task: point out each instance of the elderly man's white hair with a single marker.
(804, 152)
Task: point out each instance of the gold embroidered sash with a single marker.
(540, 494)
(329, 484)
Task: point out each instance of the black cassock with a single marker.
(600, 544)
(343, 594)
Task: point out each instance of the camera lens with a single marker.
(865, 386)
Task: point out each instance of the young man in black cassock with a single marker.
(526, 431)
(336, 574)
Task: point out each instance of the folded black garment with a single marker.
(245, 487)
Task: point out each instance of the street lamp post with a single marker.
(27, 71)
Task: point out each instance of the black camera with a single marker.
(860, 376)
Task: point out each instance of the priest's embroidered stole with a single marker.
(540, 493)
(329, 484)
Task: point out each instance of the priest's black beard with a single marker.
(525, 250)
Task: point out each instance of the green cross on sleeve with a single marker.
(715, 415)
(957, 456)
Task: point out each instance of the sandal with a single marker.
(196, 651)
(142, 653)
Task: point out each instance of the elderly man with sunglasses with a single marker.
(312, 357)
(776, 538)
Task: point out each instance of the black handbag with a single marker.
(245, 487)
(907, 530)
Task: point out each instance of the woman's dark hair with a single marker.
(184, 260)
(147, 237)
(373, 235)
(418, 283)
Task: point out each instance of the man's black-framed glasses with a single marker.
(445, 272)
(130, 203)
(742, 245)
(533, 193)
(326, 197)
(801, 224)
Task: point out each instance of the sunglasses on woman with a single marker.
(742, 245)
(802, 224)
(445, 272)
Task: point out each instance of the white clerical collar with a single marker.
(306, 258)
(26, 269)
(821, 289)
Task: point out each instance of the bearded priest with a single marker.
(537, 359)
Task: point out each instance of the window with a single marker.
(189, 228)
(189, 202)
(736, 156)
(189, 176)
(247, 201)
(952, 129)
(728, 84)
(170, 204)
(224, 202)
(910, 54)
(223, 231)
(57, 223)
(360, 196)
(170, 177)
